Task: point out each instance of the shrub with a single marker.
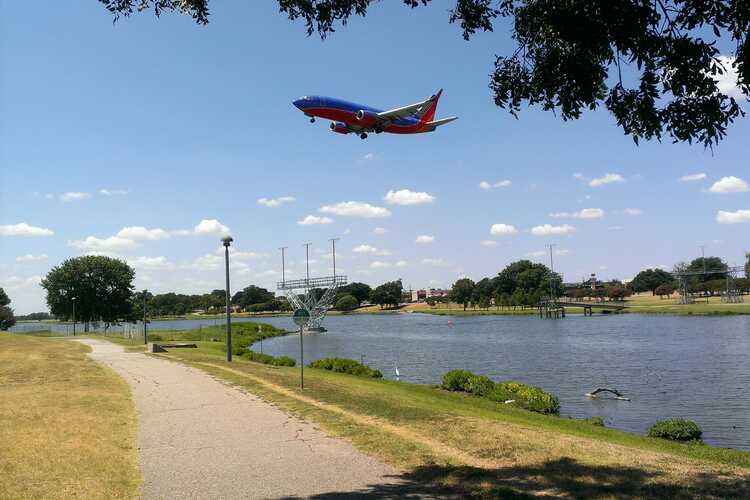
(479, 385)
(345, 365)
(456, 380)
(155, 338)
(267, 359)
(676, 429)
(525, 396)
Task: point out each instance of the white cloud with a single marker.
(23, 229)
(499, 184)
(141, 233)
(355, 209)
(548, 229)
(16, 283)
(738, 217)
(433, 262)
(211, 226)
(606, 179)
(31, 258)
(208, 262)
(368, 156)
(730, 184)
(693, 177)
(424, 239)
(379, 231)
(155, 263)
(74, 196)
(579, 176)
(538, 253)
(632, 211)
(275, 202)
(370, 250)
(111, 244)
(380, 264)
(562, 251)
(502, 229)
(488, 243)
(406, 197)
(314, 219)
(586, 213)
(113, 192)
(728, 82)
(402, 263)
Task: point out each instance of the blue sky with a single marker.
(162, 124)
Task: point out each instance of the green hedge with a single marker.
(267, 359)
(523, 396)
(676, 429)
(345, 365)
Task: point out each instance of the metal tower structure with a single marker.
(306, 293)
(730, 295)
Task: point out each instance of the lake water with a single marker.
(670, 366)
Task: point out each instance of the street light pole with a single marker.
(226, 241)
(74, 316)
(333, 243)
(145, 331)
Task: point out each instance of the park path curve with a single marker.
(201, 438)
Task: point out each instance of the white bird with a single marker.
(395, 369)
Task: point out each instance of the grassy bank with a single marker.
(482, 447)
(68, 424)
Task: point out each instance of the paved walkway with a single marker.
(200, 438)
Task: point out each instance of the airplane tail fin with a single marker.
(428, 113)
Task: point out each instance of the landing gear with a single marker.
(312, 119)
(363, 135)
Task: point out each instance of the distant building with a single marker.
(424, 294)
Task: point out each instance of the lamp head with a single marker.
(227, 240)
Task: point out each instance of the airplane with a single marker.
(349, 117)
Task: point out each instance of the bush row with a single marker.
(267, 359)
(345, 365)
(523, 396)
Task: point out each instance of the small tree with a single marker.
(664, 290)
(6, 313)
(617, 293)
(462, 291)
(346, 303)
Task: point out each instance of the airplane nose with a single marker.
(299, 103)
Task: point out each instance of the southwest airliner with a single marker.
(348, 117)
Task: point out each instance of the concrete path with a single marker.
(200, 438)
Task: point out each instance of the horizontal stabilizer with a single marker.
(442, 121)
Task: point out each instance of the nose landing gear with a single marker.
(363, 135)
(312, 119)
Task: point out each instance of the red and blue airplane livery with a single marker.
(355, 118)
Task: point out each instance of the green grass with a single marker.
(485, 447)
(68, 424)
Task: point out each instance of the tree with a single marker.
(102, 288)
(462, 291)
(251, 295)
(6, 313)
(617, 293)
(347, 303)
(664, 290)
(747, 266)
(707, 264)
(387, 294)
(649, 280)
(653, 65)
(359, 291)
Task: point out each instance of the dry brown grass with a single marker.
(67, 424)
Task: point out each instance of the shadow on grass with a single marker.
(563, 477)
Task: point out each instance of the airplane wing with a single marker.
(413, 110)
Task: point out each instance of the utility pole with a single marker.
(552, 270)
(145, 331)
(333, 242)
(307, 264)
(226, 241)
(283, 270)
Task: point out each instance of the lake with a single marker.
(670, 366)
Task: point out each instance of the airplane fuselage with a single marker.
(347, 112)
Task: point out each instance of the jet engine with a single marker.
(367, 118)
(339, 127)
